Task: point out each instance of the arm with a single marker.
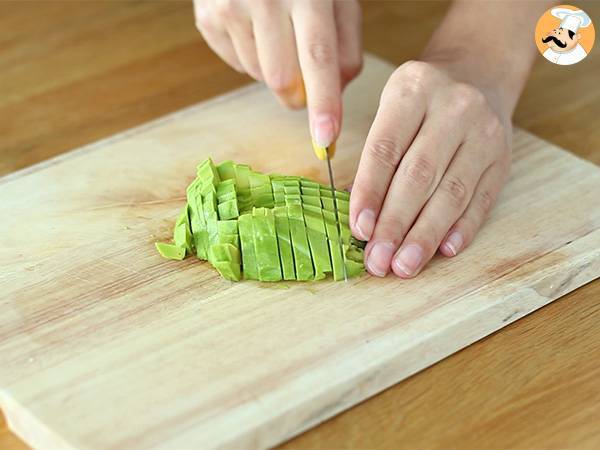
(489, 45)
(438, 152)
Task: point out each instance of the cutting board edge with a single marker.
(583, 266)
(169, 117)
(365, 384)
(31, 430)
(149, 125)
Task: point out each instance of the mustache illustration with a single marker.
(556, 41)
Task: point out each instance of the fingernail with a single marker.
(379, 258)
(324, 130)
(365, 222)
(454, 243)
(409, 259)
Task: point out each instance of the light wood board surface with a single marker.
(105, 345)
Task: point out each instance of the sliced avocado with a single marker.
(246, 232)
(170, 251)
(300, 246)
(282, 226)
(265, 245)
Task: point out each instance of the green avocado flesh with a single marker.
(264, 227)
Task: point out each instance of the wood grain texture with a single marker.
(67, 53)
(94, 318)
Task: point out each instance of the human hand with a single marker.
(291, 45)
(434, 161)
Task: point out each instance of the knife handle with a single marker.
(321, 152)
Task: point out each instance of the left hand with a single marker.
(435, 159)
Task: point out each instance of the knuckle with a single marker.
(226, 9)
(486, 202)
(321, 54)
(417, 70)
(493, 128)
(420, 172)
(465, 98)
(279, 82)
(410, 78)
(456, 191)
(385, 152)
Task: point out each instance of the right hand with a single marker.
(291, 45)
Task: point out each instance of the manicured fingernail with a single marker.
(379, 258)
(324, 130)
(409, 259)
(365, 222)
(454, 243)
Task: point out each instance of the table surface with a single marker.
(75, 72)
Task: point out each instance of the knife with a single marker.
(326, 153)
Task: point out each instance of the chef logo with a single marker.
(564, 35)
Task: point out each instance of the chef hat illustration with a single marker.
(571, 20)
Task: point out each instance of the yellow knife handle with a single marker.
(321, 152)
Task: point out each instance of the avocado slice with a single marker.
(170, 251)
(265, 245)
(246, 233)
(302, 256)
(282, 226)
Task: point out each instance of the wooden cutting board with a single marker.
(105, 345)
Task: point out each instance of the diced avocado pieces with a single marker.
(228, 271)
(337, 259)
(207, 172)
(242, 172)
(265, 245)
(227, 226)
(353, 268)
(264, 227)
(317, 238)
(282, 226)
(226, 170)
(311, 200)
(182, 234)
(228, 210)
(246, 232)
(170, 251)
(300, 246)
(226, 259)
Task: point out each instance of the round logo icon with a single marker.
(565, 35)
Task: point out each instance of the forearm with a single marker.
(490, 45)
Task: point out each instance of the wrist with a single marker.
(488, 45)
(498, 77)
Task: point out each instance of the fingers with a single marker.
(416, 179)
(401, 111)
(239, 27)
(483, 200)
(276, 48)
(348, 25)
(316, 39)
(442, 210)
(216, 37)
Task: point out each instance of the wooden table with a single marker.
(74, 72)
